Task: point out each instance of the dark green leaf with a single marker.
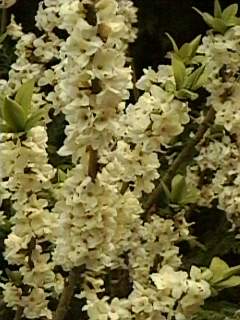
(14, 115)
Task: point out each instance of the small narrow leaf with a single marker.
(184, 52)
(232, 271)
(219, 25)
(198, 11)
(209, 19)
(233, 21)
(217, 9)
(166, 190)
(3, 37)
(34, 119)
(13, 115)
(206, 17)
(169, 86)
(186, 94)
(191, 195)
(178, 186)
(175, 48)
(229, 283)
(179, 72)
(218, 267)
(230, 11)
(194, 45)
(192, 79)
(24, 95)
(61, 175)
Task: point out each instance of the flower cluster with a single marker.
(26, 177)
(219, 157)
(78, 227)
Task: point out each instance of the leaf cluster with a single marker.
(222, 20)
(16, 114)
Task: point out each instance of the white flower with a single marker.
(36, 304)
(168, 280)
(11, 295)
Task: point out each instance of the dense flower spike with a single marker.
(81, 228)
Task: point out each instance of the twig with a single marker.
(66, 296)
(182, 157)
(92, 163)
(19, 313)
(3, 21)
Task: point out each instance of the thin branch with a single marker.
(92, 163)
(3, 21)
(186, 152)
(67, 294)
(19, 313)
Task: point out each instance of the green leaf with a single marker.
(216, 23)
(209, 19)
(233, 21)
(3, 37)
(175, 48)
(166, 190)
(192, 79)
(178, 186)
(5, 128)
(14, 115)
(219, 25)
(24, 95)
(184, 52)
(230, 282)
(218, 268)
(169, 86)
(34, 119)
(198, 11)
(206, 16)
(194, 45)
(61, 175)
(217, 9)
(190, 196)
(230, 11)
(186, 94)
(231, 271)
(179, 71)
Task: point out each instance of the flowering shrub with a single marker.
(97, 214)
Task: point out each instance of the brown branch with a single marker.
(19, 313)
(92, 163)
(186, 152)
(124, 187)
(67, 294)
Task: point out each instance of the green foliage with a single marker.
(181, 193)
(223, 276)
(220, 310)
(187, 51)
(221, 21)
(24, 96)
(16, 115)
(187, 80)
